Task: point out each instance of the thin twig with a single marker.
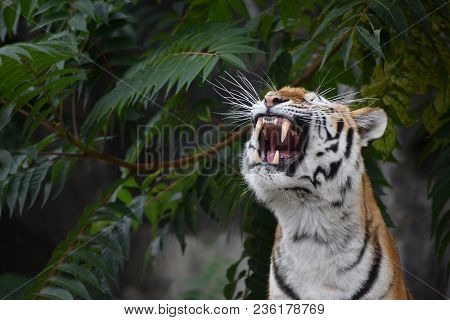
(144, 167)
(149, 167)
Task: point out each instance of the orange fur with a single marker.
(295, 94)
(369, 211)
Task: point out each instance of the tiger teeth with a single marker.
(269, 120)
(258, 127)
(276, 158)
(284, 130)
(256, 157)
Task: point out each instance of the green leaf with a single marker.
(93, 259)
(86, 7)
(401, 24)
(5, 164)
(332, 15)
(59, 176)
(27, 7)
(72, 285)
(10, 14)
(78, 22)
(331, 43)
(55, 293)
(36, 180)
(172, 65)
(347, 49)
(24, 186)
(101, 11)
(108, 243)
(47, 190)
(193, 68)
(369, 41)
(210, 64)
(234, 60)
(125, 195)
(10, 52)
(6, 113)
(80, 273)
(13, 191)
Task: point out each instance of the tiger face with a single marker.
(303, 144)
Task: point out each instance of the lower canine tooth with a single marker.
(276, 158)
(256, 156)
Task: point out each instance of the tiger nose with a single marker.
(271, 99)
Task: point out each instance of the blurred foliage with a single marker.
(80, 76)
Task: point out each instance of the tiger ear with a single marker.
(371, 123)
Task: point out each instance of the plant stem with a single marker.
(173, 164)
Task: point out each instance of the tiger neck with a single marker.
(323, 219)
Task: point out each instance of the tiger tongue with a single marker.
(283, 154)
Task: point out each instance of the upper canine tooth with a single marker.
(276, 158)
(258, 128)
(284, 130)
(275, 121)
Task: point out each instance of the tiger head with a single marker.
(307, 146)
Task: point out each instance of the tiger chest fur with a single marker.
(303, 162)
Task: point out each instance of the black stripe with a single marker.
(299, 189)
(344, 188)
(334, 167)
(314, 180)
(315, 237)
(318, 124)
(348, 148)
(285, 287)
(337, 204)
(292, 167)
(319, 154)
(373, 273)
(324, 127)
(339, 128)
(361, 251)
(333, 147)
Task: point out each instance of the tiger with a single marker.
(303, 162)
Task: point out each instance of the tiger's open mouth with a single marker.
(278, 142)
